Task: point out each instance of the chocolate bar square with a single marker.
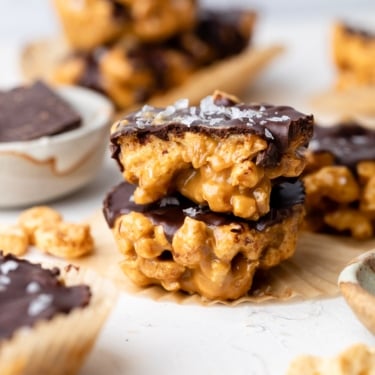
(35, 111)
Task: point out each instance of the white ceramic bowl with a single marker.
(357, 284)
(41, 170)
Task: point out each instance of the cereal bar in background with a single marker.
(130, 71)
(340, 180)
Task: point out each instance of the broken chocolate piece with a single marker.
(29, 293)
(348, 143)
(32, 112)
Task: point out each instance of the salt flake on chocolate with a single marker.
(39, 304)
(181, 104)
(279, 119)
(32, 287)
(8, 266)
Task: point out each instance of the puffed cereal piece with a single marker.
(358, 359)
(354, 221)
(182, 246)
(222, 153)
(36, 217)
(13, 239)
(366, 173)
(334, 182)
(91, 23)
(65, 240)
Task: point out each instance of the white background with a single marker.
(145, 337)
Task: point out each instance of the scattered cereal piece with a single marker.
(356, 360)
(66, 240)
(13, 239)
(37, 217)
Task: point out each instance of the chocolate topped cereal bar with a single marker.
(340, 180)
(49, 317)
(131, 71)
(29, 293)
(180, 245)
(222, 153)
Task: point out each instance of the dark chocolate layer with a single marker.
(279, 125)
(365, 34)
(120, 11)
(34, 111)
(29, 293)
(91, 76)
(348, 143)
(170, 212)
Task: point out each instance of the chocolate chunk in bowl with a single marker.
(180, 245)
(222, 153)
(35, 111)
(53, 165)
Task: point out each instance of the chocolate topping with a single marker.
(91, 76)
(32, 112)
(120, 11)
(225, 33)
(365, 34)
(278, 125)
(29, 293)
(348, 143)
(170, 212)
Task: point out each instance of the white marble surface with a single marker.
(145, 337)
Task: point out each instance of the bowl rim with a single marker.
(104, 111)
(355, 269)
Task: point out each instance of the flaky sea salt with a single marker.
(268, 134)
(191, 211)
(145, 109)
(169, 201)
(181, 104)
(39, 304)
(4, 280)
(8, 266)
(279, 119)
(207, 105)
(32, 287)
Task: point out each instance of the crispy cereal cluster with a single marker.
(212, 193)
(44, 227)
(358, 359)
(340, 180)
(354, 54)
(91, 23)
